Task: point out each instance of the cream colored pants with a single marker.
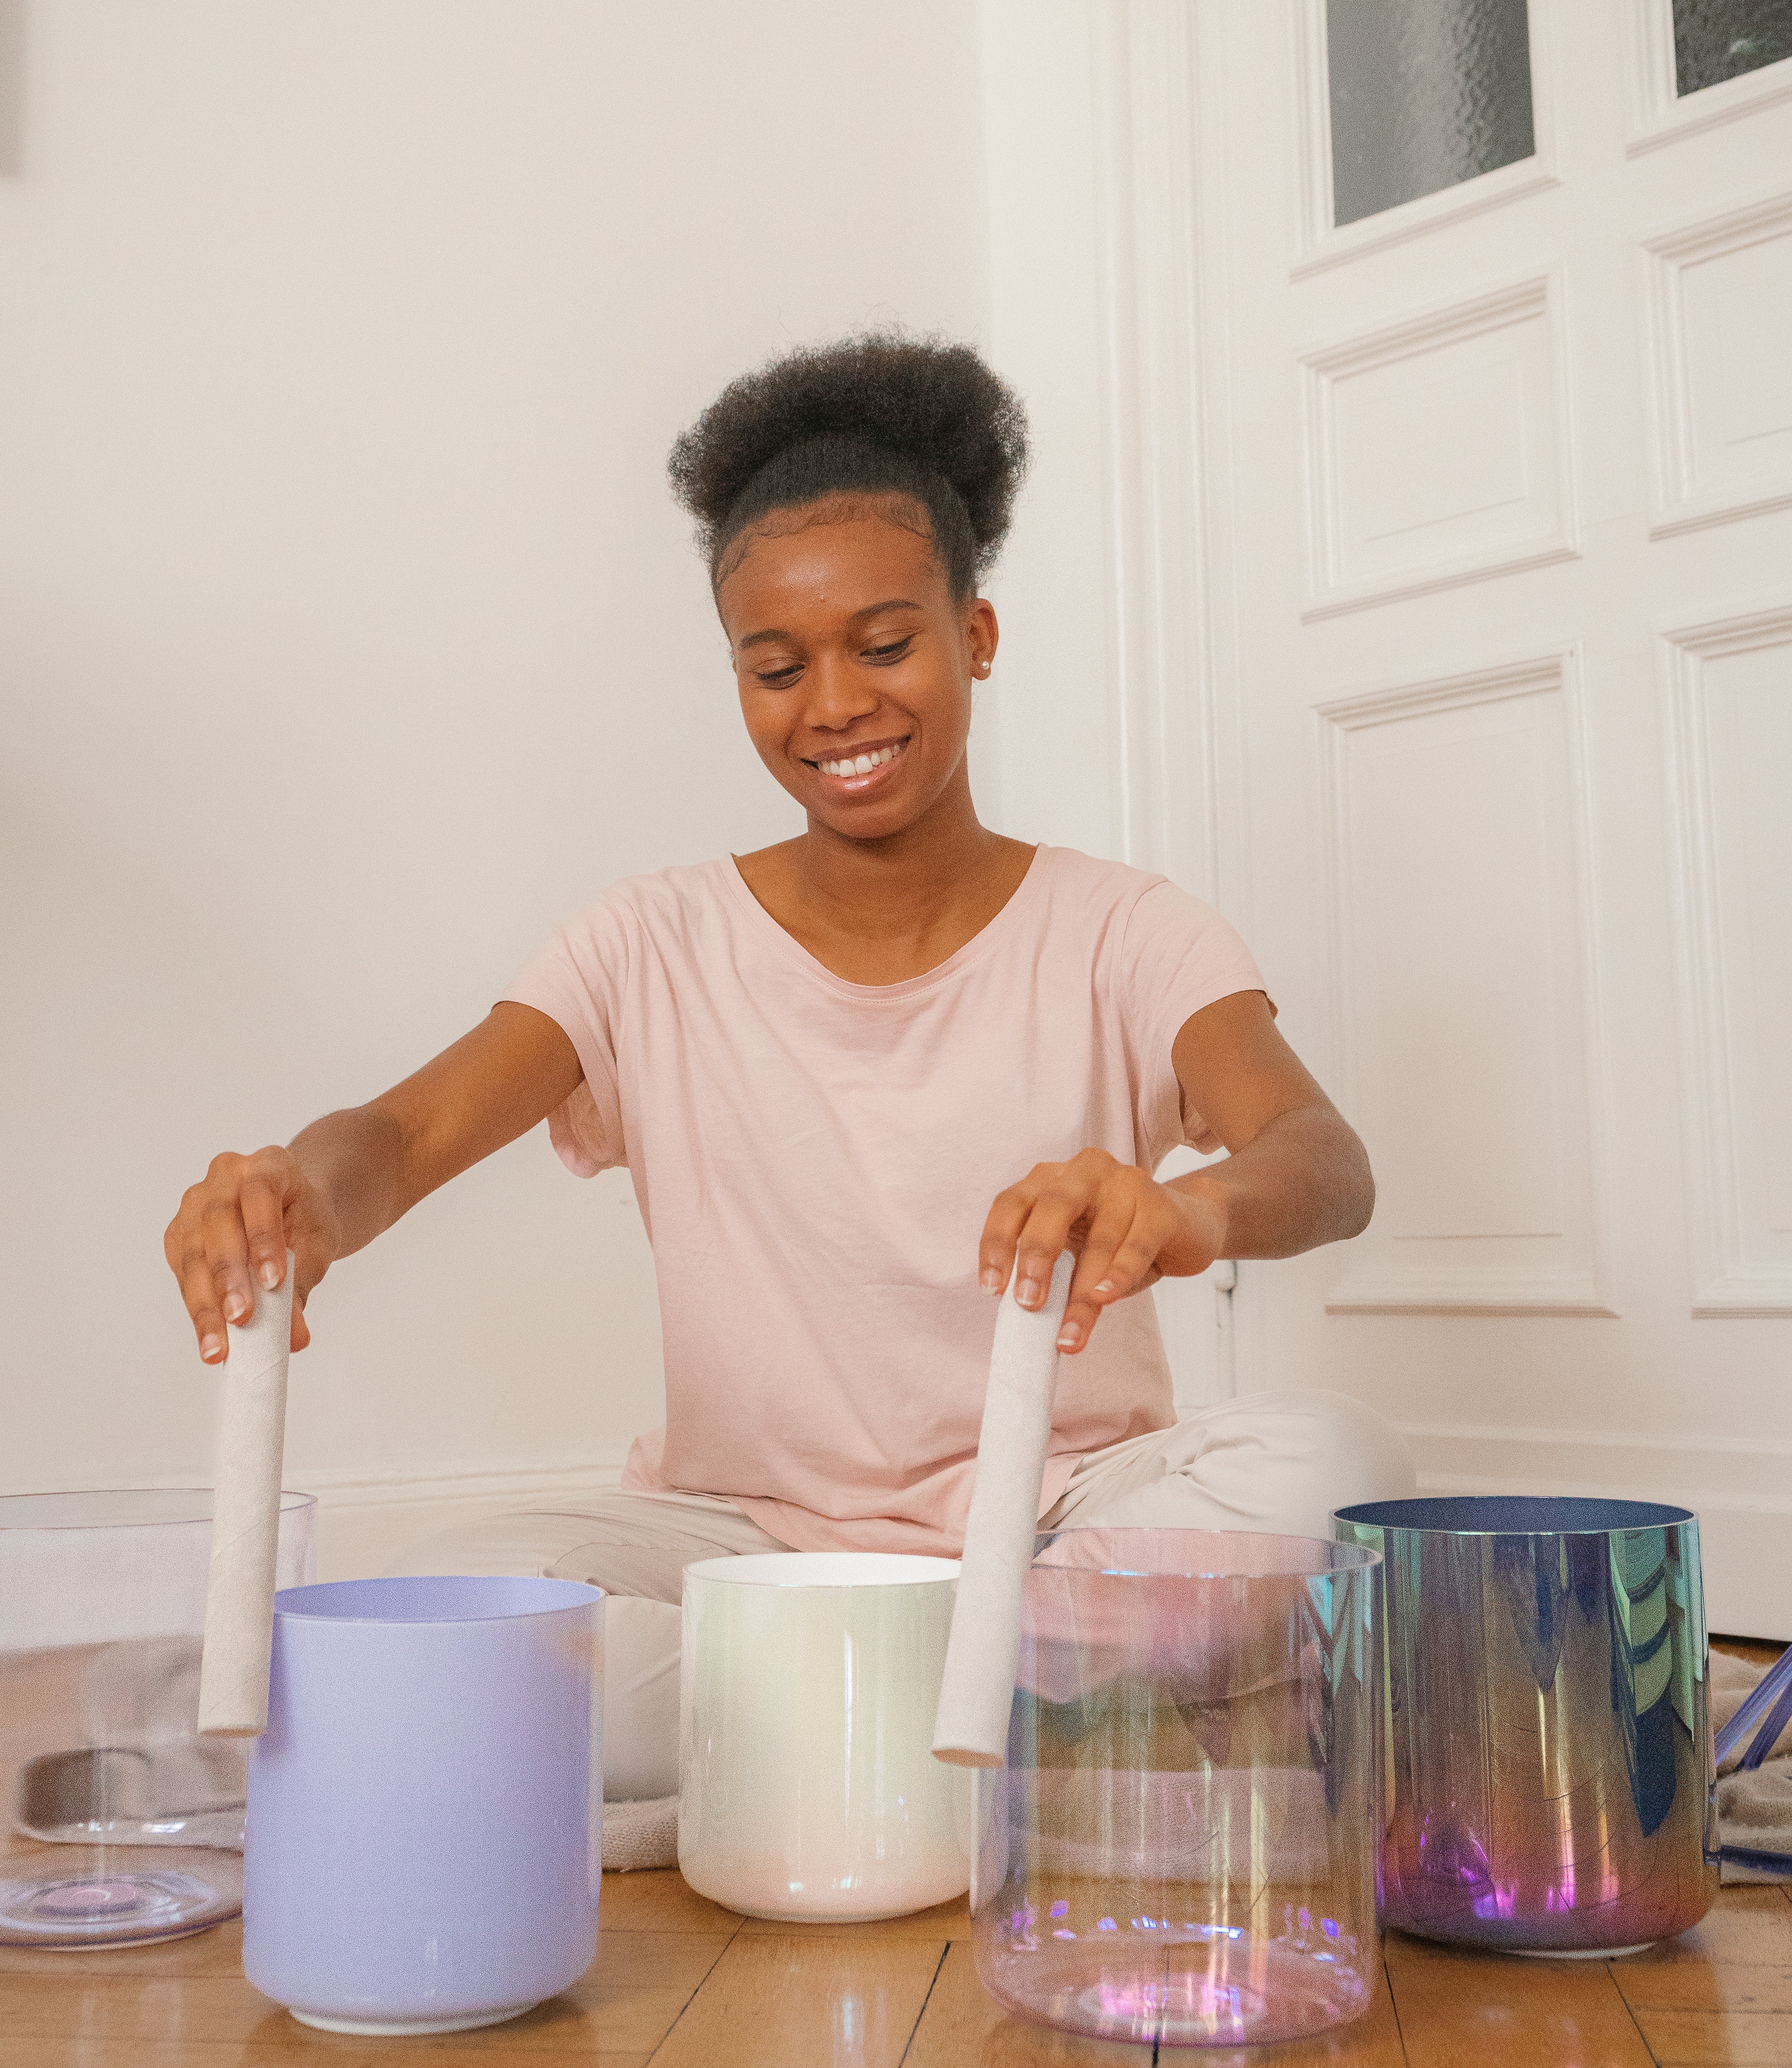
(1279, 1462)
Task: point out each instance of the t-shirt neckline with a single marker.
(986, 936)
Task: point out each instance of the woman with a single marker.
(861, 1080)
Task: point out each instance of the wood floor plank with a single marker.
(1750, 1928)
(73, 2052)
(199, 2008)
(1718, 2039)
(805, 2002)
(216, 1952)
(1758, 1651)
(945, 1921)
(963, 2027)
(1459, 2009)
(594, 2020)
(660, 1900)
(1701, 1985)
(655, 1959)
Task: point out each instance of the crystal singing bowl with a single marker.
(118, 1823)
(808, 1786)
(1550, 1784)
(1181, 1847)
(425, 1808)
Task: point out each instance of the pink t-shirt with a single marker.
(814, 1161)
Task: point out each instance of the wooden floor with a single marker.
(683, 1984)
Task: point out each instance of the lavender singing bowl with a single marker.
(426, 1807)
(1550, 1750)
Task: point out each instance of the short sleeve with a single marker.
(575, 979)
(1177, 956)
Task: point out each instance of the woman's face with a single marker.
(854, 663)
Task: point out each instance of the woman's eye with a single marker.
(894, 652)
(778, 678)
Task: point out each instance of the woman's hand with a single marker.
(232, 1234)
(351, 1174)
(1127, 1230)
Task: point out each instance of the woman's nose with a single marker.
(839, 694)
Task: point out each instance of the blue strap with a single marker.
(1770, 1696)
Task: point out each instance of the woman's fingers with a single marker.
(1033, 1224)
(227, 1245)
(1060, 1205)
(1127, 1231)
(262, 1202)
(1114, 1216)
(1136, 1261)
(198, 1290)
(1001, 1234)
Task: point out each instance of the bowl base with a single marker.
(1576, 1952)
(70, 1912)
(829, 1916)
(397, 2028)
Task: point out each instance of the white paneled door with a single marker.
(1495, 342)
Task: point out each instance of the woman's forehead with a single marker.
(837, 559)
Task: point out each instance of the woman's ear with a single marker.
(981, 635)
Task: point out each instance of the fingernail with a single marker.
(1031, 1293)
(211, 1347)
(235, 1307)
(1069, 1335)
(1106, 1285)
(990, 1280)
(270, 1273)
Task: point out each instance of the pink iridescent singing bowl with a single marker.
(1180, 1849)
(1551, 1787)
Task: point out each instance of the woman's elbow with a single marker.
(1358, 1192)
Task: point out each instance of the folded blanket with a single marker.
(641, 1835)
(1754, 1809)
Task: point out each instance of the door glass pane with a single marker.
(1716, 39)
(1424, 94)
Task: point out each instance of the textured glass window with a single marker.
(1716, 39)
(1425, 95)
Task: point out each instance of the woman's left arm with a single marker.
(1296, 1176)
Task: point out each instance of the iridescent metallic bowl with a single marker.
(1550, 1786)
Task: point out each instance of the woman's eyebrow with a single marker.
(858, 617)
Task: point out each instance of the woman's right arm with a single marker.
(347, 1177)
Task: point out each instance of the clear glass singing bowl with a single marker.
(1181, 1847)
(118, 1822)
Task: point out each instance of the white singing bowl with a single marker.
(808, 1789)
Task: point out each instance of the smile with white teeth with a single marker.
(861, 764)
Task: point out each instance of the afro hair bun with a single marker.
(882, 412)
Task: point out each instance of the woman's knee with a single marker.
(1365, 1458)
(1324, 1450)
(641, 1628)
(642, 1642)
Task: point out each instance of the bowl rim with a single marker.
(191, 1506)
(1622, 1515)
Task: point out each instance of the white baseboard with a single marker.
(364, 1522)
(1741, 1494)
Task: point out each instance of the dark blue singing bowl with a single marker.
(1550, 1785)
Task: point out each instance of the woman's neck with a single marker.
(878, 912)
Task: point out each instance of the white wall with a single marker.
(348, 639)
(1048, 318)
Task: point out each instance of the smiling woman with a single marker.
(862, 1080)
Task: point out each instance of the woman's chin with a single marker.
(872, 822)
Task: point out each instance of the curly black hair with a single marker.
(882, 414)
